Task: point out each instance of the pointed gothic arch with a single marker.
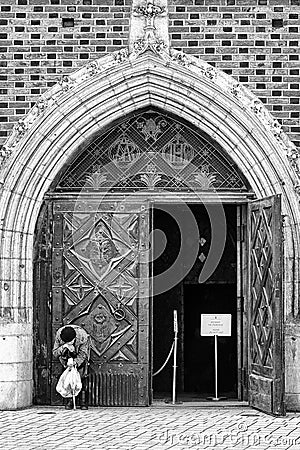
(87, 102)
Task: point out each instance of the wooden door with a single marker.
(100, 282)
(42, 306)
(266, 351)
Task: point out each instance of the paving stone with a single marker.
(146, 428)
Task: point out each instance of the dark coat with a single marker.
(81, 344)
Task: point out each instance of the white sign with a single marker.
(175, 322)
(215, 325)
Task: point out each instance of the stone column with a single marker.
(16, 349)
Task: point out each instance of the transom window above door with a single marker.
(152, 151)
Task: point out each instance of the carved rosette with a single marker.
(66, 83)
(141, 45)
(5, 153)
(120, 55)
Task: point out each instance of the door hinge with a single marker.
(49, 302)
(244, 377)
(241, 231)
(240, 304)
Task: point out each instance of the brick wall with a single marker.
(255, 41)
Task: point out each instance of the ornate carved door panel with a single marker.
(100, 282)
(266, 358)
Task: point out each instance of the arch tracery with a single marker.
(151, 150)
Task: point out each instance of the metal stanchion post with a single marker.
(173, 401)
(175, 358)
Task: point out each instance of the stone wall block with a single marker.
(14, 349)
(21, 371)
(292, 358)
(15, 394)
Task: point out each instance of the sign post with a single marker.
(216, 325)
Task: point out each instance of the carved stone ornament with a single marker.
(150, 11)
(150, 39)
(121, 55)
(154, 45)
(66, 82)
(92, 68)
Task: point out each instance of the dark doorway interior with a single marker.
(199, 350)
(195, 378)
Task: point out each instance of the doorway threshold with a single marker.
(196, 401)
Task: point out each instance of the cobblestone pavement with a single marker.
(158, 427)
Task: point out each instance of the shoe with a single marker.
(68, 407)
(83, 400)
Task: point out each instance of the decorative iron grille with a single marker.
(152, 151)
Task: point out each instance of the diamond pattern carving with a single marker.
(124, 287)
(97, 274)
(262, 287)
(266, 362)
(80, 287)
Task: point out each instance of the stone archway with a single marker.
(86, 103)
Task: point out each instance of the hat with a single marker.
(67, 334)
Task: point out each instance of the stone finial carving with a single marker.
(150, 11)
(149, 27)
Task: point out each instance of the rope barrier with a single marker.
(166, 361)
